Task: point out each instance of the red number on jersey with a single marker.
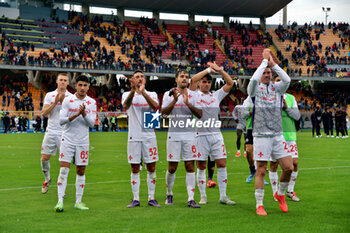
(84, 154)
(194, 150)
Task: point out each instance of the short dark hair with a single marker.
(137, 71)
(208, 76)
(82, 78)
(179, 71)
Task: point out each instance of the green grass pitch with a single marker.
(323, 186)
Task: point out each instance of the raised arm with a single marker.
(227, 78)
(282, 86)
(254, 81)
(197, 77)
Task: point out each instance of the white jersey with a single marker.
(76, 132)
(210, 104)
(238, 114)
(139, 105)
(181, 113)
(267, 99)
(53, 124)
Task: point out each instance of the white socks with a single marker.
(259, 196)
(282, 188)
(293, 178)
(190, 184)
(222, 181)
(201, 182)
(79, 187)
(151, 184)
(274, 181)
(45, 166)
(135, 185)
(170, 179)
(62, 183)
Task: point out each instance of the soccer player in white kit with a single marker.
(290, 114)
(180, 104)
(77, 115)
(52, 139)
(209, 139)
(267, 128)
(142, 143)
(238, 117)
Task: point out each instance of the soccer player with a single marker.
(237, 115)
(247, 114)
(142, 143)
(180, 104)
(52, 139)
(290, 113)
(267, 128)
(77, 115)
(209, 139)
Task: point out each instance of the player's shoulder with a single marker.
(67, 94)
(92, 100)
(126, 93)
(151, 93)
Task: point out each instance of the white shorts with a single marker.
(211, 145)
(51, 143)
(269, 148)
(79, 153)
(292, 148)
(184, 150)
(147, 149)
(240, 126)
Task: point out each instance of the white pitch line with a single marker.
(161, 178)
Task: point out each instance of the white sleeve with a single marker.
(245, 108)
(254, 81)
(154, 97)
(235, 113)
(64, 112)
(124, 96)
(166, 100)
(91, 116)
(195, 100)
(281, 87)
(47, 99)
(220, 94)
(293, 112)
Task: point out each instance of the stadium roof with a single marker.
(239, 8)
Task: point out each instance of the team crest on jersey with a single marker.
(151, 120)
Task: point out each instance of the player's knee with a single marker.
(273, 166)
(171, 170)
(151, 167)
(80, 171)
(295, 165)
(189, 167)
(261, 171)
(249, 149)
(202, 165)
(45, 158)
